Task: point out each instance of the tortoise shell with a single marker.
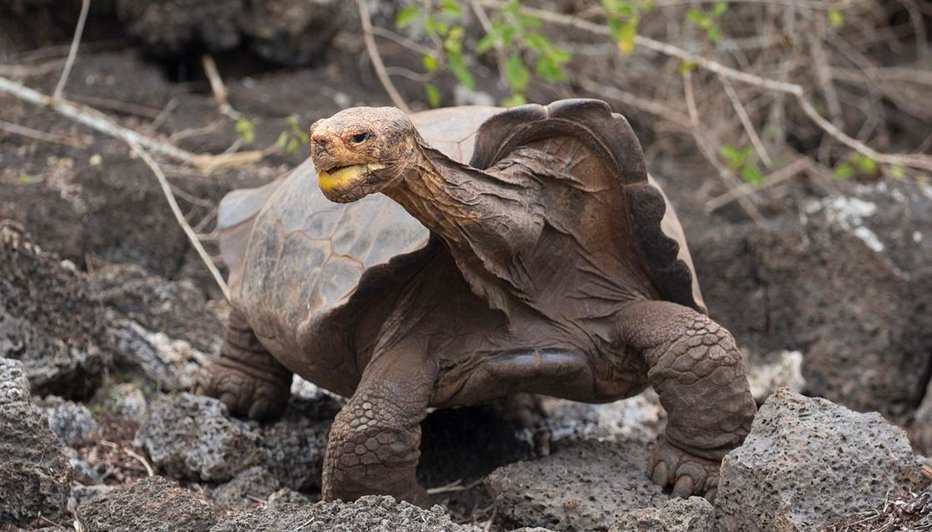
(297, 260)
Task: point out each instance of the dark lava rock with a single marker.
(694, 514)
(152, 504)
(584, 486)
(290, 32)
(808, 461)
(845, 280)
(35, 476)
(370, 513)
(71, 422)
(190, 436)
(293, 447)
(177, 308)
(165, 328)
(921, 430)
(47, 319)
(249, 485)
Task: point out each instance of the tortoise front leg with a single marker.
(701, 379)
(245, 377)
(374, 442)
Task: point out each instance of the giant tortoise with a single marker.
(521, 250)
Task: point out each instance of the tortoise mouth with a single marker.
(338, 179)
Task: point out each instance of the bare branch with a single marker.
(922, 162)
(98, 121)
(73, 51)
(179, 216)
(747, 189)
(377, 58)
(218, 88)
(730, 180)
(35, 134)
(746, 123)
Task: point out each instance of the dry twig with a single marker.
(73, 51)
(35, 134)
(96, 120)
(377, 58)
(922, 162)
(221, 95)
(179, 217)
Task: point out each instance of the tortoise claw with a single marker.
(244, 393)
(686, 473)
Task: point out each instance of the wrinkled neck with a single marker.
(445, 196)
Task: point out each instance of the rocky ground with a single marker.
(105, 315)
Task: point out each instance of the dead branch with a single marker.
(98, 121)
(35, 134)
(747, 189)
(376, 58)
(726, 175)
(179, 216)
(221, 95)
(746, 123)
(73, 51)
(922, 162)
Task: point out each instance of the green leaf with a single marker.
(715, 34)
(246, 130)
(292, 146)
(686, 67)
(719, 8)
(431, 64)
(485, 44)
(517, 74)
(451, 8)
(560, 56)
(897, 171)
(282, 140)
(626, 35)
(736, 157)
(752, 174)
(836, 18)
(697, 17)
(844, 170)
(433, 94)
(514, 100)
(458, 68)
(548, 70)
(538, 43)
(407, 16)
(864, 163)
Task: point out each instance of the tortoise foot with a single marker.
(686, 473)
(246, 391)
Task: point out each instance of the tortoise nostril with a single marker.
(320, 142)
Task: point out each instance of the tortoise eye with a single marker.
(359, 138)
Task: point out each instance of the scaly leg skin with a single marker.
(375, 439)
(701, 379)
(246, 378)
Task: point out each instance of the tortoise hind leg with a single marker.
(374, 443)
(248, 380)
(700, 377)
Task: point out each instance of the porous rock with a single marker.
(47, 319)
(293, 447)
(370, 513)
(253, 483)
(844, 280)
(584, 486)
(776, 370)
(71, 422)
(152, 504)
(35, 476)
(694, 514)
(191, 436)
(808, 461)
(124, 400)
(289, 32)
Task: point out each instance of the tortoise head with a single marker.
(362, 150)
